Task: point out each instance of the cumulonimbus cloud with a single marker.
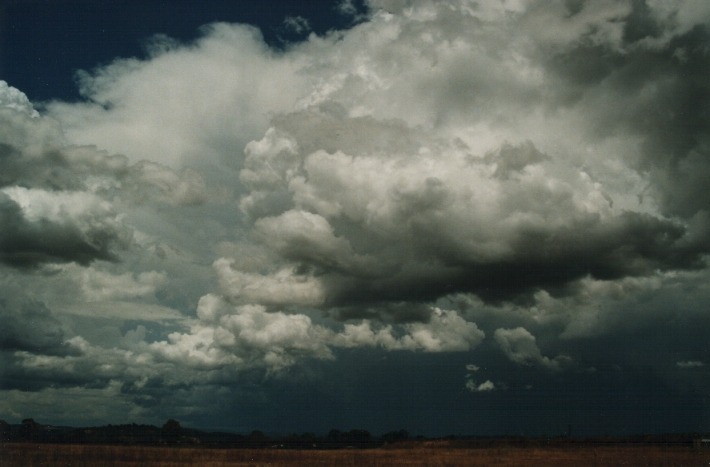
(542, 162)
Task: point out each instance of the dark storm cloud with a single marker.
(50, 171)
(56, 199)
(511, 159)
(387, 312)
(30, 329)
(28, 325)
(25, 243)
(652, 84)
(540, 235)
(33, 152)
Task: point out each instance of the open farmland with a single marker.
(422, 454)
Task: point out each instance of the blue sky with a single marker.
(463, 217)
(45, 43)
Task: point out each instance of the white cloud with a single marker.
(473, 386)
(347, 7)
(101, 285)
(179, 106)
(297, 24)
(121, 310)
(600, 23)
(486, 386)
(690, 364)
(304, 236)
(445, 332)
(282, 288)
(13, 98)
(38, 204)
(246, 336)
(158, 183)
(362, 335)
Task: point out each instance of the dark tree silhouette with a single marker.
(29, 429)
(334, 436)
(4, 431)
(394, 436)
(171, 431)
(359, 437)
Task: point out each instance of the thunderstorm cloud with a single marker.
(522, 181)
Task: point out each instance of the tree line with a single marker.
(173, 433)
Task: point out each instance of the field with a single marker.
(424, 454)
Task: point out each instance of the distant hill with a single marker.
(127, 434)
(173, 434)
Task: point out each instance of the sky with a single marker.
(462, 217)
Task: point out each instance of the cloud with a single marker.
(347, 8)
(365, 192)
(75, 406)
(331, 180)
(500, 223)
(473, 386)
(244, 336)
(69, 217)
(623, 306)
(504, 209)
(445, 332)
(521, 347)
(282, 288)
(297, 24)
(34, 153)
(39, 349)
(690, 364)
(13, 98)
(250, 336)
(122, 310)
(532, 171)
(100, 286)
(486, 386)
(28, 325)
(228, 70)
(45, 227)
(308, 237)
(61, 202)
(158, 183)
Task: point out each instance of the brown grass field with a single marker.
(426, 454)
